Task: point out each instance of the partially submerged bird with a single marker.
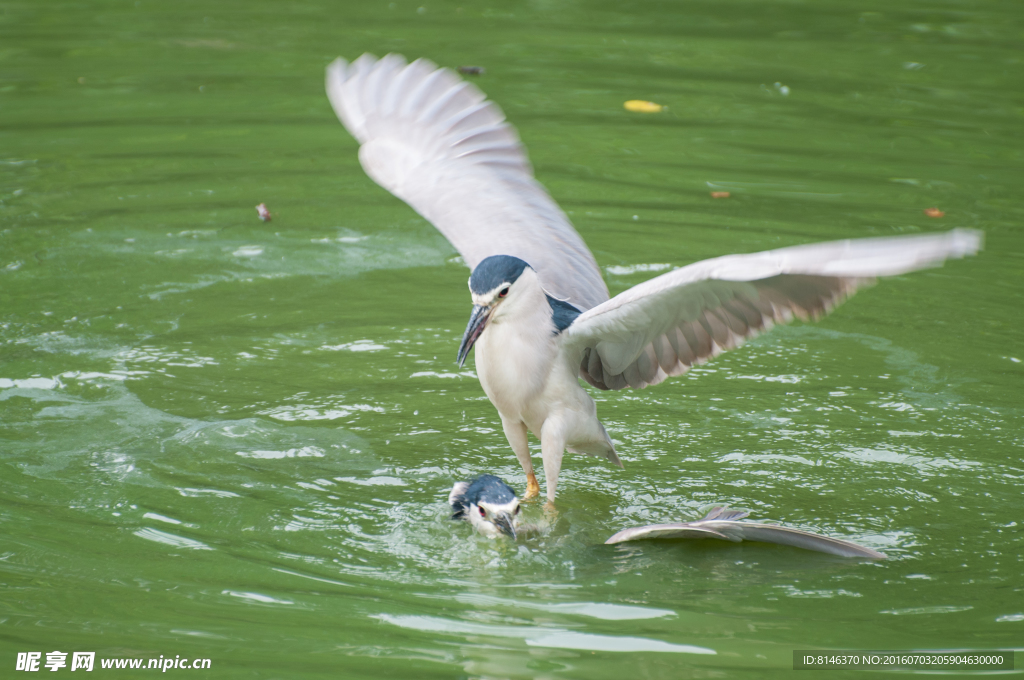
(541, 315)
(724, 524)
(487, 503)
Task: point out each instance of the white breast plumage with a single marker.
(515, 353)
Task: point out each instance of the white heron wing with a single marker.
(747, 531)
(771, 533)
(458, 492)
(664, 326)
(434, 141)
(723, 524)
(683, 530)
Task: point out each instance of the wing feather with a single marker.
(683, 530)
(666, 325)
(747, 531)
(457, 499)
(724, 524)
(436, 142)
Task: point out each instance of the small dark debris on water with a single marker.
(472, 70)
(263, 211)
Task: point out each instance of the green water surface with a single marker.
(231, 439)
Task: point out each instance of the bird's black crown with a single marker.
(494, 271)
(491, 489)
(487, 488)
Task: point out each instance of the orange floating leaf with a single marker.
(933, 212)
(720, 194)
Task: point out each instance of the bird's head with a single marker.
(491, 507)
(493, 286)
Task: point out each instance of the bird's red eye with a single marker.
(483, 513)
(503, 292)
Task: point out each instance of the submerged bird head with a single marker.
(492, 284)
(487, 503)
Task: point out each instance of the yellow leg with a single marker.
(532, 487)
(515, 432)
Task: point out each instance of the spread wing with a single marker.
(736, 531)
(664, 326)
(434, 141)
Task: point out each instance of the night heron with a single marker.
(487, 503)
(541, 317)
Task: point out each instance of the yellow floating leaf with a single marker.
(640, 106)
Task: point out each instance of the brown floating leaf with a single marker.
(933, 212)
(720, 194)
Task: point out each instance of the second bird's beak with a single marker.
(477, 322)
(504, 522)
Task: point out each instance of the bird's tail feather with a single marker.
(603, 448)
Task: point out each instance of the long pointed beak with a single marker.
(504, 522)
(477, 322)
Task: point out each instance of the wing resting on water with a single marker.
(723, 524)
